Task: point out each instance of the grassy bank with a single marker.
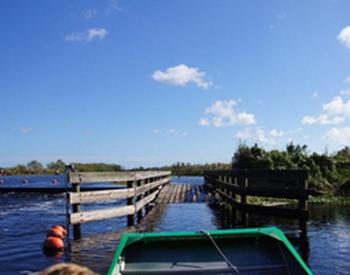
(324, 199)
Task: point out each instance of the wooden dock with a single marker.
(232, 187)
(142, 189)
(181, 193)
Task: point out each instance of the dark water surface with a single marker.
(25, 218)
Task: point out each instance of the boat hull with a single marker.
(246, 251)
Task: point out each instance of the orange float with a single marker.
(53, 243)
(61, 228)
(55, 232)
(53, 247)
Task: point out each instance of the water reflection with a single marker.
(24, 219)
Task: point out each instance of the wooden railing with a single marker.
(141, 189)
(233, 187)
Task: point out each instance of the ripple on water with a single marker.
(24, 219)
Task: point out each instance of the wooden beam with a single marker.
(286, 175)
(150, 186)
(146, 200)
(93, 177)
(265, 210)
(98, 196)
(262, 191)
(95, 215)
(105, 195)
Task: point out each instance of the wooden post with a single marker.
(76, 209)
(245, 218)
(303, 206)
(233, 215)
(130, 184)
(67, 168)
(148, 207)
(139, 197)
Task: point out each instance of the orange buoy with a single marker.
(61, 228)
(53, 247)
(55, 232)
(53, 242)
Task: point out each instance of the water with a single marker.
(24, 219)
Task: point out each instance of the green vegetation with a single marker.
(35, 167)
(328, 173)
(187, 169)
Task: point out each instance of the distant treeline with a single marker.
(327, 172)
(187, 169)
(180, 168)
(56, 167)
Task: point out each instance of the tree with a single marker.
(35, 167)
(55, 166)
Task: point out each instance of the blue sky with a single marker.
(156, 82)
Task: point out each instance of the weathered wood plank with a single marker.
(283, 175)
(265, 210)
(90, 177)
(95, 215)
(173, 194)
(182, 193)
(152, 185)
(99, 196)
(105, 195)
(146, 200)
(261, 191)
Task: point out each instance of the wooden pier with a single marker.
(141, 190)
(181, 193)
(232, 187)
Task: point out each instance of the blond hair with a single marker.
(67, 269)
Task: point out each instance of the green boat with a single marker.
(233, 251)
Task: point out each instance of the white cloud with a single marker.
(347, 80)
(315, 94)
(223, 113)
(276, 133)
(337, 106)
(245, 118)
(88, 35)
(344, 36)
(339, 135)
(245, 134)
(333, 112)
(25, 130)
(204, 122)
(89, 14)
(260, 135)
(181, 75)
(156, 131)
(322, 119)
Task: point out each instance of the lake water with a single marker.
(25, 218)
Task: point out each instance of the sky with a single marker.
(156, 82)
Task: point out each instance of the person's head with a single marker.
(67, 269)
